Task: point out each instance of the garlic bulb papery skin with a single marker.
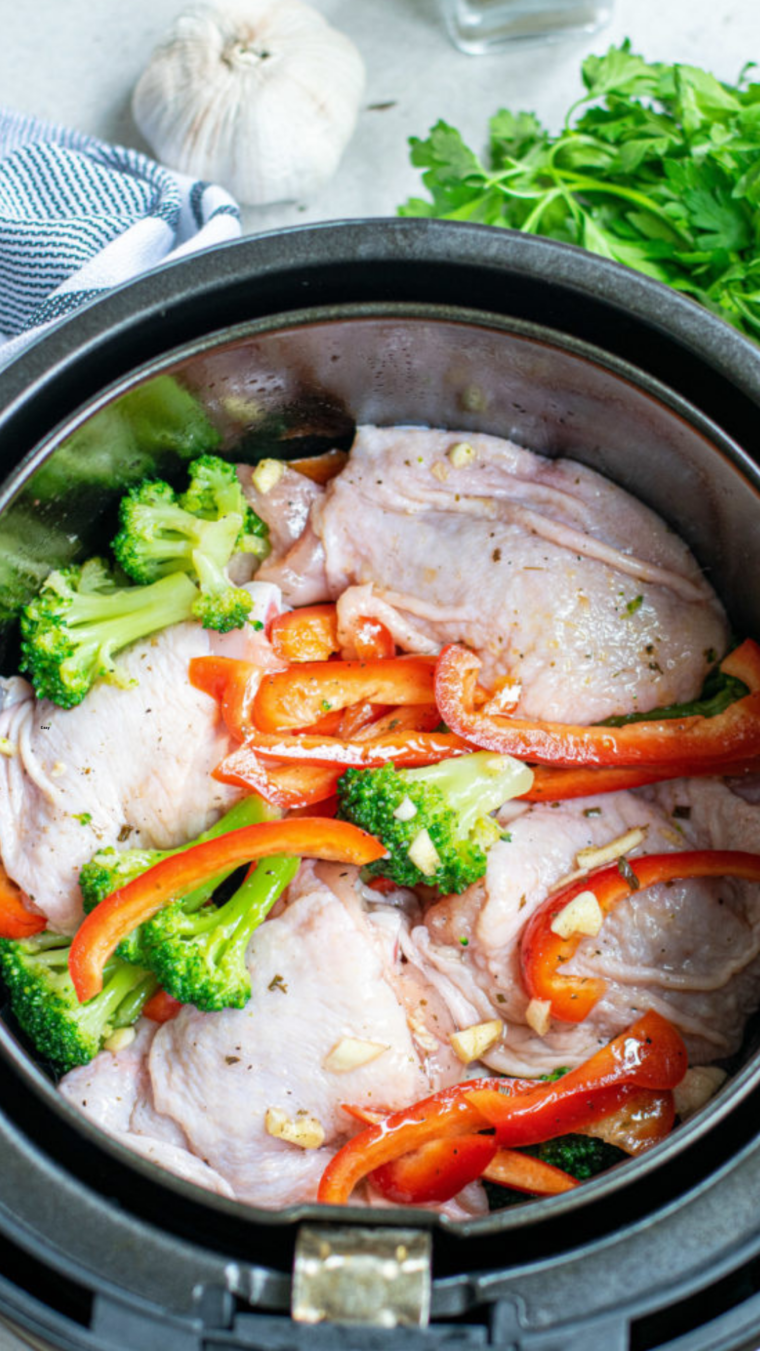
(260, 96)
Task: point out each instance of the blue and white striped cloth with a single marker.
(78, 216)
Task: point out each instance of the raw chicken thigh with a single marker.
(688, 949)
(554, 575)
(205, 1082)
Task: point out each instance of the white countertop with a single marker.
(76, 61)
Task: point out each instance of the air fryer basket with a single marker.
(284, 343)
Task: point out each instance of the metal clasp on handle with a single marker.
(377, 1277)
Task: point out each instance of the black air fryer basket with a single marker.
(286, 342)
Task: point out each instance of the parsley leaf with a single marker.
(656, 167)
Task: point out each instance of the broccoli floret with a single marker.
(201, 958)
(110, 869)
(196, 533)
(435, 821)
(45, 1005)
(71, 631)
(582, 1156)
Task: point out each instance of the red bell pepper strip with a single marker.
(162, 1007)
(544, 954)
(558, 785)
(436, 1171)
(523, 1173)
(650, 1054)
(321, 468)
(357, 718)
(15, 920)
(308, 634)
(371, 639)
(692, 744)
(232, 683)
(640, 1121)
(286, 786)
(399, 748)
(291, 699)
(133, 904)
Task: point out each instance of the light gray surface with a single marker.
(76, 61)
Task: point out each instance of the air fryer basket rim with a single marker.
(130, 311)
(175, 360)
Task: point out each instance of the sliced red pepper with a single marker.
(399, 748)
(523, 1173)
(291, 699)
(122, 911)
(640, 1121)
(544, 954)
(308, 634)
(650, 1054)
(558, 785)
(692, 744)
(321, 468)
(232, 683)
(436, 1171)
(286, 786)
(15, 920)
(162, 1007)
(357, 718)
(371, 639)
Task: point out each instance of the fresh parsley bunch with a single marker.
(657, 166)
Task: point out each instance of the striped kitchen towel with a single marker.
(78, 216)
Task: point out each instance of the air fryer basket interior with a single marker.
(297, 383)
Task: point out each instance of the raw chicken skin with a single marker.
(689, 950)
(317, 977)
(114, 1092)
(130, 765)
(555, 576)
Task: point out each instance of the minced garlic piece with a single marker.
(405, 810)
(587, 859)
(267, 475)
(461, 454)
(419, 1031)
(538, 1016)
(58, 770)
(439, 471)
(424, 854)
(118, 1040)
(7, 747)
(699, 1084)
(350, 1053)
(303, 1130)
(473, 1042)
(581, 915)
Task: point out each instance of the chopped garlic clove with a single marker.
(699, 1084)
(405, 810)
(267, 475)
(538, 1016)
(303, 1130)
(424, 854)
(588, 859)
(350, 1053)
(473, 1042)
(461, 454)
(7, 747)
(581, 915)
(120, 1039)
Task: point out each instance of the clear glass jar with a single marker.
(477, 26)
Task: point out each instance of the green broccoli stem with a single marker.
(249, 811)
(473, 785)
(240, 916)
(120, 1002)
(112, 620)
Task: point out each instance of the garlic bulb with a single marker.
(260, 96)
